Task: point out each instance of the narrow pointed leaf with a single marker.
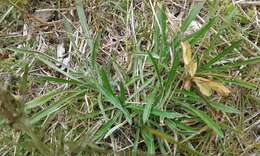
(224, 108)
(224, 53)
(196, 36)
(204, 117)
(42, 99)
(192, 15)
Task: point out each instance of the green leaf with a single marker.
(162, 147)
(221, 55)
(122, 93)
(204, 117)
(173, 71)
(83, 22)
(105, 128)
(192, 15)
(68, 27)
(57, 80)
(53, 66)
(243, 83)
(170, 139)
(24, 83)
(150, 102)
(145, 85)
(175, 125)
(162, 17)
(48, 60)
(196, 36)
(116, 102)
(238, 64)
(170, 78)
(41, 100)
(149, 141)
(161, 41)
(101, 107)
(107, 91)
(137, 138)
(156, 67)
(54, 107)
(224, 108)
(157, 112)
(105, 81)
(147, 109)
(94, 51)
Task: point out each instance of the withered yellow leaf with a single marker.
(192, 68)
(218, 87)
(202, 84)
(187, 56)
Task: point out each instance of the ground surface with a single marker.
(127, 76)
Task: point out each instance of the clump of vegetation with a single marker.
(121, 77)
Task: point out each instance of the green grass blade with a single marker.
(162, 43)
(24, 81)
(148, 106)
(83, 22)
(105, 81)
(224, 108)
(101, 107)
(6, 14)
(105, 128)
(170, 139)
(170, 77)
(41, 100)
(145, 85)
(238, 64)
(173, 71)
(48, 61)
(242, 83)
(107, 91)
(175, 125)
(147, 111)
(192, 15)
(57, 80)
(54, 107)
(53, 66)
(149, 141)
(204, 117)
(157, 112)
(196, 36)
(156, 67)
(226, 51)
(137, 138)
(122, 93)
(162, 147)
(94, 51)
(68, 28)
(116, 102)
